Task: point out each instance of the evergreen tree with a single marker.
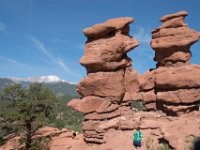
(27, 109)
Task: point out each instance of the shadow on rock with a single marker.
(197, 144)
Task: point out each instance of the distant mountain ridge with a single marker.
(42, 79)
(54, 83)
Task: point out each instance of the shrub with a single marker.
(164, 147)
(138, 105)
(149, 144)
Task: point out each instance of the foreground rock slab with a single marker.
(179, 132)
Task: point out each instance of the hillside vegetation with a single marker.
(58, 88)
(13, 95)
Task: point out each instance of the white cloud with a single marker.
(3, 28)
(12, 61)
(54, 59)
(142, 35)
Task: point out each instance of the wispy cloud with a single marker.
(142, 35)
(9, 60)
(3, 28)
(54, 59)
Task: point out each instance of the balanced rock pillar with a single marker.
(108, 69)
(177, 82)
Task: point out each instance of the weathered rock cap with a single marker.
(173, 34)
(98, 29)
(175, 15)
(121, 22)
(107, 27)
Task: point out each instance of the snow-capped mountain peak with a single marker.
(43, 79)
(50, 78)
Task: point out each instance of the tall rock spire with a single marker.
(176, 80)
(106, 61)
(172, 40)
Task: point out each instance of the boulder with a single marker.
(147, 80)
(106, 107)
(103, 84)
(173, 38)
(184, 96)
(102, 116)
(174, 78)
(149, 96)
(172, 16)
(87, 104)
(174, 23)
(173, 58)
(100, 30)
(150, 106)
(108, 54)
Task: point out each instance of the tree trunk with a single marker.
(28, 134)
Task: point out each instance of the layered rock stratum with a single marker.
(111, 85)
(176, 81)
(108, 68)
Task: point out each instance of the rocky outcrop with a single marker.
(55, 139)
(111, 85)
(173, 85)
(176, 80)
(108, 75)
(107, 45)
(179, 132)
(172, 40)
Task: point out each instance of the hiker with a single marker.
(137, 138)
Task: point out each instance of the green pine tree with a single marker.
(27, 109)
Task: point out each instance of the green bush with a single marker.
(149, 144)
(40, 144)
(138, 105)
(164, 147)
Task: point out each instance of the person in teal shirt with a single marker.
(137, 138)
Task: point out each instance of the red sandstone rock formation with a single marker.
(107, 46)
(109, 70)
(173, 86)
(178, 131)
(111, 84)
(176, 80)
(172, 40)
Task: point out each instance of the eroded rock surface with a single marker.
(176, 80)
(179, 132)
(111, 85)
(108, 75)
(172, 40)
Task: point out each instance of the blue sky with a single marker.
(44, 37)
